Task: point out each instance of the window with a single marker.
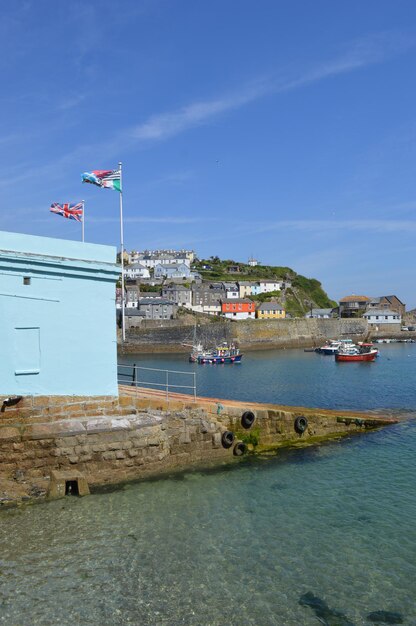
(26, 280)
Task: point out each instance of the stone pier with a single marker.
(48, 443)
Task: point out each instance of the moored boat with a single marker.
(225, 353)
(333, 345)
(362, 352)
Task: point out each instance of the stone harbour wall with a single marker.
(249, 334)
(112, 440)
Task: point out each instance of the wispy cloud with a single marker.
(362, 53)
(71, 103)
(149, 220)
(169, 124)
(13, 138)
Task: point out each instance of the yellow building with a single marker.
(270, 311)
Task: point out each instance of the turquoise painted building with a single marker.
(57, 317)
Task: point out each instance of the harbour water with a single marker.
(299, 378)
(241, 545)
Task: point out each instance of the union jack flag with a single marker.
(70, 211)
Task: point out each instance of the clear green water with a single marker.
(228, 547)
(237, 546)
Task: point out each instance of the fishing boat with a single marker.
(225, 353)
(362, 352)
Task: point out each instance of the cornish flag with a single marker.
(110, 179)
(70, 211)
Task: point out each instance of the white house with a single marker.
(376, 317)
(266, 286)
(209, 308)
(231, 290)
(172, 270)
(151, 258)
(136, 270)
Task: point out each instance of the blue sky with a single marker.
(283, 130)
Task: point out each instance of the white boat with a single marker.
(332, 346)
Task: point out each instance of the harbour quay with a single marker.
(67, 427)
(55, 446)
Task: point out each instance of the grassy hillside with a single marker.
(304, 294)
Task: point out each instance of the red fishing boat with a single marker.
(362, 352)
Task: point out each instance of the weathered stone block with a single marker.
(9, 434)
(67, 441)
(67, 451)
(28, 454)
(120, 454)
(53, 429)
(41, 454)
(126, 401)
(115, 445)
(140, 443)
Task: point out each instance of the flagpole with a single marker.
(83, 220)
(123, 325)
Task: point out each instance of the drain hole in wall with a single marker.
(71, 488)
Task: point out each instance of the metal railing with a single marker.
(138, 377)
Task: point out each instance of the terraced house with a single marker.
(270, 311)
(238, 308)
